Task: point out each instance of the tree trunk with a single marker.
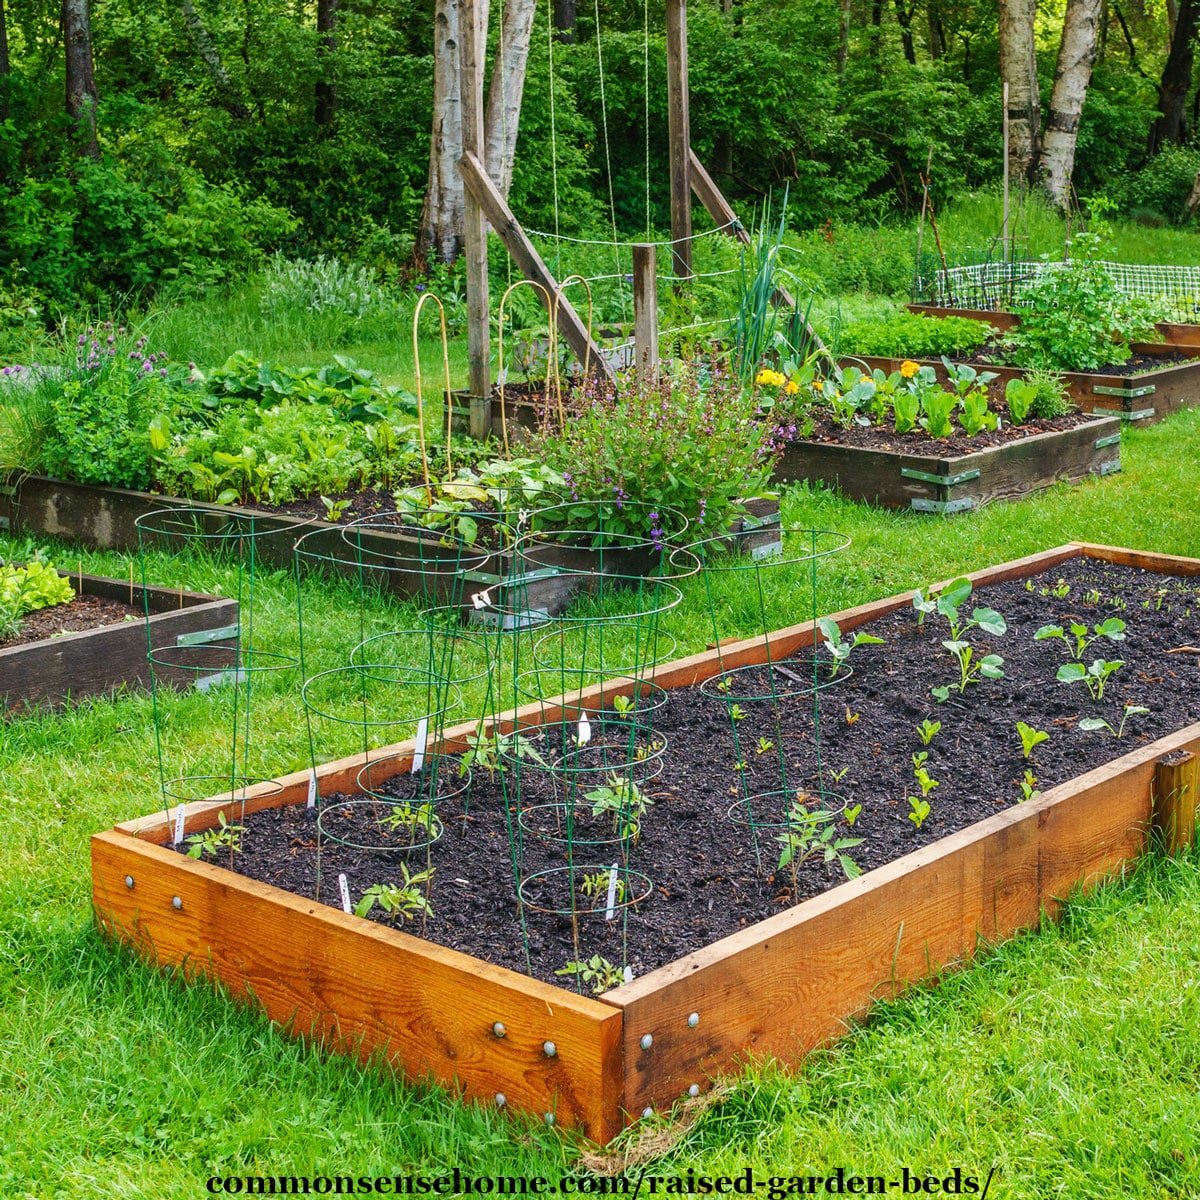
(1018, 68)
(904, 20)
(441, 231)
(1176, 84)
(564, 20)
(326, 97)
(843, 51)
(227, 90)
(81, 80)
(1076, 57)
(504, 97)
(4, 66)
(937, 32)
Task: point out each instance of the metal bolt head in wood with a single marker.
(129, 881)
(647, 1041)
(549, 1049)
(176, 901)
(498, 1029)
(501, 1099)
(549, 1118)
(647, 1111)
(694, 1090)
(693, 1020)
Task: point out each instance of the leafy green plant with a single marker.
(405, 900)
(624, 801)
(925, 781)
(1051, 399)
(489, 750)
(812, 834)
(840, 649)
(971, 670)
(1030, 737)
(1027, 785)
(222, 836)
(918, 810)
(1093, 724)
(975, 416)
(597, 972)
(737, 713)
(623, 706)
(906, 407)
(415, 819)
(1113, 629)
(1094, 677)
(851, 814)
(937, 409)
(595, 884)
(1073, 315)
(26, 589)
(928, 730)
(914, 335)
(1019, 395)
(764, 746)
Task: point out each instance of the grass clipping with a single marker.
(652, 1137)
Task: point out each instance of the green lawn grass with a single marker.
(1068, 1059)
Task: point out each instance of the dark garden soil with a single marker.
(84, 612)
(826, 431)
(700, 862)
(993, 356)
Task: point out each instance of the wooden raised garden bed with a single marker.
(102, 660)
(1170, 333)
(948, 484)
(1142, 395)
(781, 986)
(106, 518)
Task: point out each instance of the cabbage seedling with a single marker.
(1113, 629)
(839, 648)
(1030, 737)
(1095, 677)
(1092, 724)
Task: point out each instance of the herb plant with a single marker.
(597, 972)
(405, 900)
(212, 841)
(624, 801)
(812, 834)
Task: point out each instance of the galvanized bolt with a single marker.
(549, 1118)
(176, 901)
(550, 1049)
(501, 1099)
(498, 1029)
(694, 1090)
(647, 1041)
(693, 1020)
(129, 881)
(647, 1111)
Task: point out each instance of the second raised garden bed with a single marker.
(777, 986)
(102, 654)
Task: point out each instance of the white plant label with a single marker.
(611, 909)
(585, 729)
(312, 789)
(344, 888)
(419, 751)
(179, 824)
(482, 599)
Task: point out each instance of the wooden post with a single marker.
(483, 190)
(680, 138)
(1174, 798)
(645, 314)
(479, 342)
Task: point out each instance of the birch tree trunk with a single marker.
(227, 90)
(508, 86)
(1176, 83)
(1018, 68)
(1076, 57)
(441, 230)
(81, 97)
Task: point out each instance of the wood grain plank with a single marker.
(363, 988)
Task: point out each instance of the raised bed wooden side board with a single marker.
(106, 518)
(1143, 396)
(99, 661)
(1170, 333)
(933, 483)
(781, 987)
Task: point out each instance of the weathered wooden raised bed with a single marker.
(1146, 395)
(780, 987)
(106, 518)
(948, 484)
(1170, 333)
(100, 661)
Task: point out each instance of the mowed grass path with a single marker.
(1068, 1059)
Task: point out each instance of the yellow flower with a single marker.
(769, 378)
(792, 387)
(908, 368)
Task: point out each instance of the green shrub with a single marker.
(1051, 398)
(914, 335)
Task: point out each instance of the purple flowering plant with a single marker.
(694, 443)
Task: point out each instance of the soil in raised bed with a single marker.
(706, 881)
(883, 437)
(82, 613)
(996, 356)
